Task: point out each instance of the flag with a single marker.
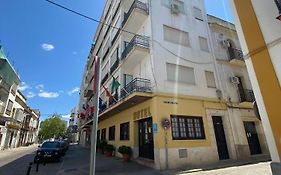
(95, 73)
(82, 116)
(114, 85)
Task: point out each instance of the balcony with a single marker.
(136, 92)
(236, 57)
(278, 4)
(136, 16)
(246, 98)
(89, 91)
(137, 48)
(104, 79)
(114, 66)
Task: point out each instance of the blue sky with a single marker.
(49, 47)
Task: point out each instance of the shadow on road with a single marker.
(18, 166)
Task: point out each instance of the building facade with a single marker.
(165, 86)
(72, 130)
(258, 25)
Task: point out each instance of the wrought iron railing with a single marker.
(104, 79)
(278, 4)
(246, 95)
(139, 41)
(136, 85)
(235, 54)
(136, 5)
(105, 54)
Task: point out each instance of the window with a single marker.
(111, 133)
(127, 79)
(187, 128)
(9, 107)
(98, 135)
(124, 131)
(210, 78)
(197, 13)
(114, 57)
(176, 36)
(103, 134)
(180, 73)
(203, 44)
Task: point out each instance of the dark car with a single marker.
(49, 150)
(63, 146)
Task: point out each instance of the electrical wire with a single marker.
(126, 31)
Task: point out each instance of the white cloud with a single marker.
(44, 94)
(39, 86)
(74, 90)
(30, 95)
(23, 86)
(47, 47)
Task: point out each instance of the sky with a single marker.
(49, 46)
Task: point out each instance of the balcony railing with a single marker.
(136, 85)
(140, 41)
(235, 54)
(246, 95)
(114, 66)
(136, 5)
(278, 4)
(104, 79)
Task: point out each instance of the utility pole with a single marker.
(95, 117)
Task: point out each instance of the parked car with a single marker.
(63, 146)
(49, 150)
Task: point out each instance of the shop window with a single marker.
(124, 131)
(187, 128)
(111, 133)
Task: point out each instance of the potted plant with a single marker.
(108, 150)
(100, 146)
(126, 152)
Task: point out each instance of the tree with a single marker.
(52, 127)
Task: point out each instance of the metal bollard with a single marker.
(29, 168)
(37, 165)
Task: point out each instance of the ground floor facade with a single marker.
(172, 132)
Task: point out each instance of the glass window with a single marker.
(176, 36)
(187, 128)
(111, 133)
(203, 44)
(124, 131)
(103, 134)
(198, 13)
(180, 73)
(210, 78)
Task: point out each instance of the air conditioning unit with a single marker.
(175, 8)
(234, 80)
(225, 43)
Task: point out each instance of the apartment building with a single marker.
(164, 90)
(258, 27)
(73, 126)
(9, 81)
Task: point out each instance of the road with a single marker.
(76, 162)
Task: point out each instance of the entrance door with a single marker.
(146, 145)
(252, 137)
(220, 138)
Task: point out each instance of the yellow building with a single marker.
(258, 25)
(171, 104)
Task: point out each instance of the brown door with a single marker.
(146, 145)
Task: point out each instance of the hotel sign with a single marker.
(141, 114)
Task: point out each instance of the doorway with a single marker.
(220, 138)
(146, 145)
(252, 137)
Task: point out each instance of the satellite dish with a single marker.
(256, 110)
